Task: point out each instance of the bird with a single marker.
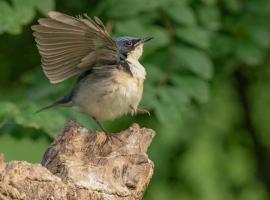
(110, 77)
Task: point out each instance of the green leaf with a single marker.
(221, 45)
(196, 88)
(233, 5)
(209, 2)
(194, 35)
(9, 21)
(210, 17)
(23, 114)
(44, 6)
(24, 10)
(148, 96)
(259, 33)
(258, 8)
(162, 38)
(181, 13)
(23, 144)
(7, 111)
(131, 27)
(127, 8)
(165, 110)
(155, 74)
(196, 61)
(250, 53)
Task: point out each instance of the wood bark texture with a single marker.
(81, 164)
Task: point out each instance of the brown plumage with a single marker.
(69, 45)
(110, 82)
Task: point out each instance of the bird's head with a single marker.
(131, 46)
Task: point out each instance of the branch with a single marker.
(81, 164)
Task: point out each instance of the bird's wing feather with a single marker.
(70, 45)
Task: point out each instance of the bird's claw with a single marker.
(143, 111)
(139, 110)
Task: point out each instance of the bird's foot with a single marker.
(139, 110)
(143, 111)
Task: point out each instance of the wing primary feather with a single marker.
(71, 45)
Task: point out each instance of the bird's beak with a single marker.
(146, 39)
(143, 40)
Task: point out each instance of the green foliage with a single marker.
(16, 13)
(204, 148)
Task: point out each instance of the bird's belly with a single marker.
(110, 98)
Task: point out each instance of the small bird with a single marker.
(110, 76)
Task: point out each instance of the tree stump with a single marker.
(81, 164)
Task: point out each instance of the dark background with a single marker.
(207, 89)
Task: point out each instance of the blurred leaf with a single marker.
(259, 9)
(209, 17)
(210, 2)
(233, 5)
(23, 144)
(181, 13)
(45, 6)
(221, 45)
(196, 61)
(127, 8)
(155, 74)
(131, 27)
(260, 33)
(165, 110)
(249, 53)
(7, 111)
(194, 87)
(9, 21)
(24, 115)
(194, 35)
(24, 9)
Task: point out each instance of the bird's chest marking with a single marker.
(128, 87)
(136, 68)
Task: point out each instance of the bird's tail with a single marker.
(66, 101)
(47, 107)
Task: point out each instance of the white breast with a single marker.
(112, 97)
(136, 68)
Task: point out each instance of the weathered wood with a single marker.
(81, 164)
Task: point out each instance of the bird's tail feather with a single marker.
(66, 101)
(47, 107)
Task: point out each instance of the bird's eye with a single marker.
(128, 43)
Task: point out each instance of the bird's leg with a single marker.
(139, 110)
(100, 126)
(109, 136)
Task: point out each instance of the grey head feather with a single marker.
(126, 44)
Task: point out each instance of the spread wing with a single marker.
(70, 45)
